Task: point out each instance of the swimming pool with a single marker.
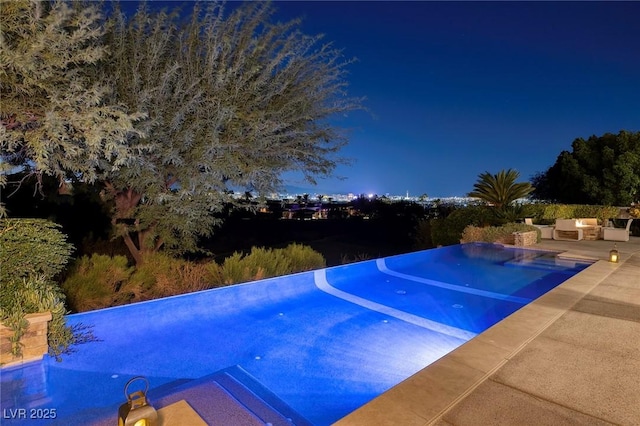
(315, 345)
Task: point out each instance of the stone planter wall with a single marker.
(34, 340)
(521, 239)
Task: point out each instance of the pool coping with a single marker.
(426, 397)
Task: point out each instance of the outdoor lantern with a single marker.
(613, 254)
(136, 411)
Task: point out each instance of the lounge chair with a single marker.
(617, 234)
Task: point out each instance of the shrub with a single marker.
(97, 281)
(303, 258)
(32, 253)
(161, 275)
(548, 213)
(496, 234)
(449, 230)
(33, 295)
(472, 233)
(264, 263)
(100, 281)
(213, 274)
(192, 277)
(258, 264)
(602, 213)
(32, 247)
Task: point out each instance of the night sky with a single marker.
(458, 88)
(455, 89)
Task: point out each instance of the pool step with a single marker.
(230, 396)
(546, 264)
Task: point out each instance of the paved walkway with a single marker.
(572, 357)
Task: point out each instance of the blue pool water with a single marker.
(321, 343)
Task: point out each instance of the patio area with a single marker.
(570, 357)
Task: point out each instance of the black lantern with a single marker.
(613, 254)
(137, 411)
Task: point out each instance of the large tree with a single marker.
(54, 118)
(233, 100)
(170, 116)
(601, 170)
(500, 190)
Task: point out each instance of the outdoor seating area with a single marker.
(582, 229)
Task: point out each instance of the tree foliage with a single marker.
(54, 115)
(501, 189)
(30, 247)
(230, 100)
(233, 101)
(601, 170)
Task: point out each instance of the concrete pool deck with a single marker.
(570, 357)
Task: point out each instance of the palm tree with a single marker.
(500, 190)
